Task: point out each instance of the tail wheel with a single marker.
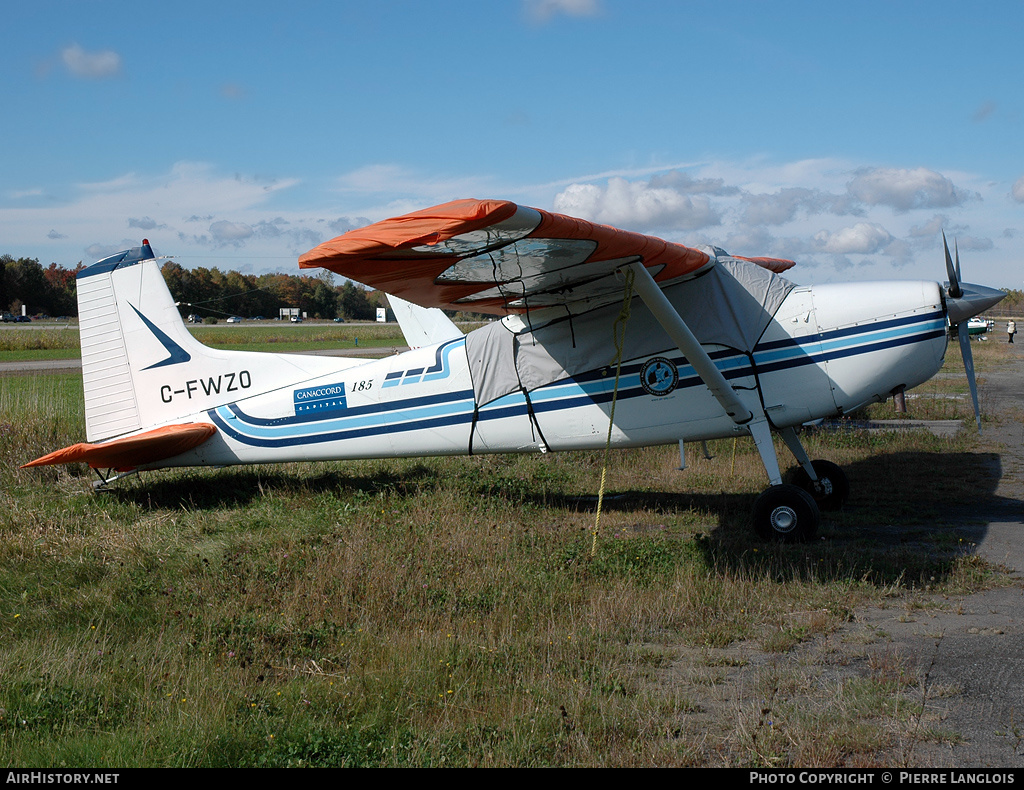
(832, 488)
(786, 513)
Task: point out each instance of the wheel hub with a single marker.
(783, 519)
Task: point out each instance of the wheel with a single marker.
(786, 513)
(832, 488)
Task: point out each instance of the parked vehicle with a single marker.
(979, 325)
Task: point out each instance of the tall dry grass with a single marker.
(451, 611)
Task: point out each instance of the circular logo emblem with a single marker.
(659, 376)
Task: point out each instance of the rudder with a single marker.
(111, 404)
(141, 367)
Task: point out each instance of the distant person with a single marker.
(1011, 329)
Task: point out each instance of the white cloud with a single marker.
(798, 210)
(746, 241)
(144, 223)
(97, 251)
(783, 206)
(864, 238)
(404, 184)
(187, 187)
(345, 224)
(882, 220)
(224, 232)
(974, 243)
(1018, 190)
(99, 212)
(684, 183)
(930, 229)
(636, 206)
(91, 65)
(544, 10)
(904, 190)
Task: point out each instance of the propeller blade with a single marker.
(965, 352)
(954, 279)
(973, 300)
(964, 300)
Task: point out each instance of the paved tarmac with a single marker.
(969, 649)
(72, 365)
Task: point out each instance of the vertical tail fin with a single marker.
(111, 405)
(423, 326)
(142, 368)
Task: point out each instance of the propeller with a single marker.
(964, 300)
(954, 290)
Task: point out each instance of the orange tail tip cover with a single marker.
(133, 451)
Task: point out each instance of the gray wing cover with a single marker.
(729, 305)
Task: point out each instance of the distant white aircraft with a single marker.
(979, 325)
(714, 345)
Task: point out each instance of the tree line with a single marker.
(208, 293)
(211, 293)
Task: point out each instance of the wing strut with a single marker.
(673, 324)
(681, 335)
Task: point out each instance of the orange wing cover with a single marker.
(435, 257)
(133, 451)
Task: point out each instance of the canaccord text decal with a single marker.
(372, 419)
(322, 399)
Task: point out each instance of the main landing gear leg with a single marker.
(823, 480)
(783, 512)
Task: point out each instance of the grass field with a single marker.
(62, 343)
(457, 611)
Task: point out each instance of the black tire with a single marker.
(833, 487)
(787, 514)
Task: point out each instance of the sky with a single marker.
(844, 136)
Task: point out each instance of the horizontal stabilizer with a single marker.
(132, 451)
(423, 326)
(777, 265)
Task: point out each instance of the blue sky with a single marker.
(239, 135)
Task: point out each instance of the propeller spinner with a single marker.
(964, 300)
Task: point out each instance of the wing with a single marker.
(493, 256)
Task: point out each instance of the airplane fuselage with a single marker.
(828, 350)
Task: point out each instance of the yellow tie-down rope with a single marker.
(619, 338)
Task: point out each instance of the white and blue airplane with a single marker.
(679, 344)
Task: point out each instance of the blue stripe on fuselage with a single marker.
(592, 387)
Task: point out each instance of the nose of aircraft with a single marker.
(974, 299)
